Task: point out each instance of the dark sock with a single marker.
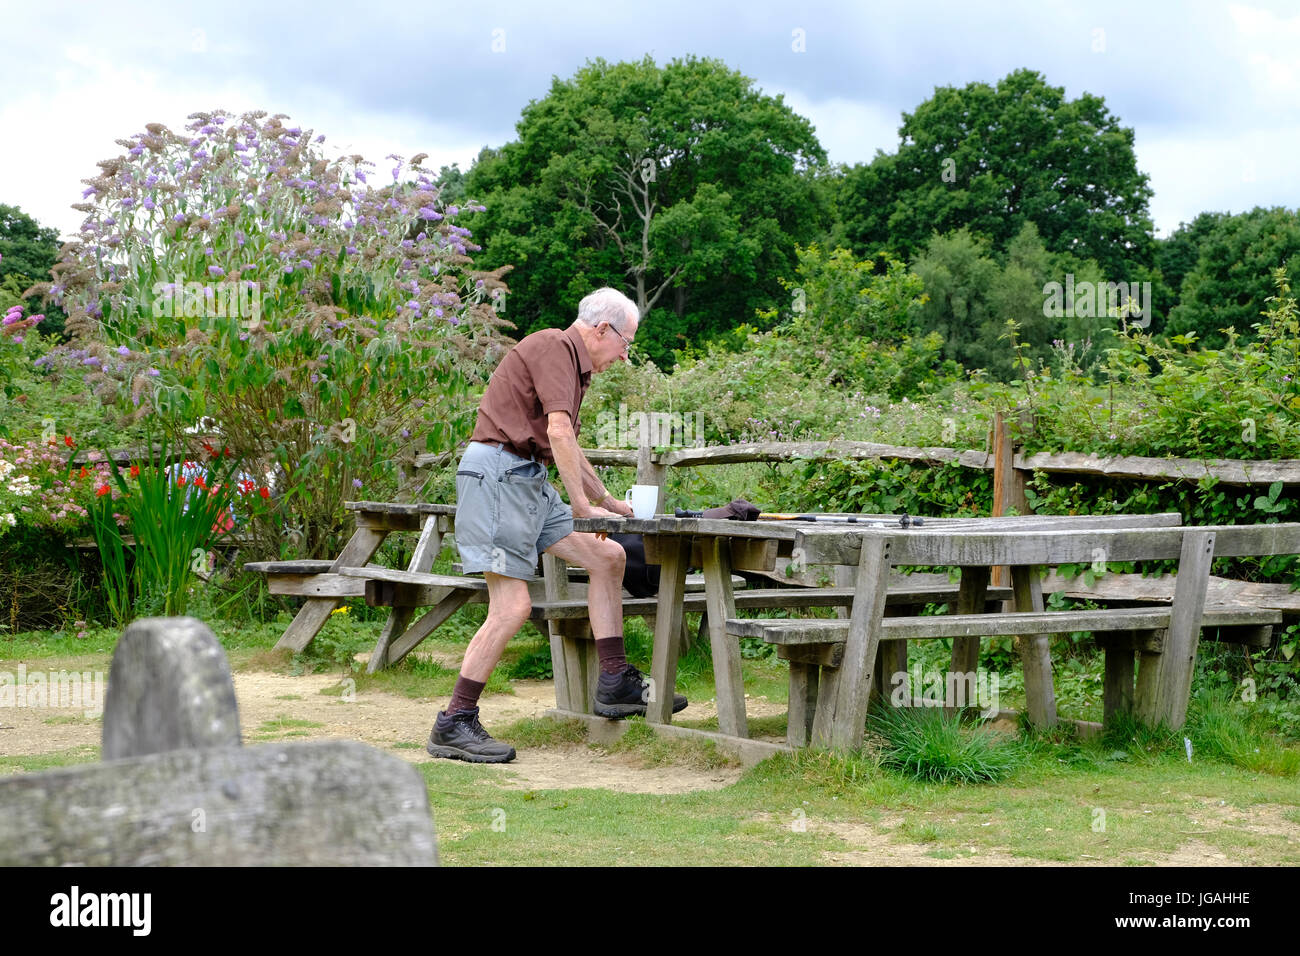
(613, 657)
(465, 695)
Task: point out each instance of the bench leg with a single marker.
(1163, 693)
(315, 612)
(674, 553)
(1117, 690)
(803, 703)
(840, 722)
(426, 551)
(970, 600)
(721, 604)
(1035, 651)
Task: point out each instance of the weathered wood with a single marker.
(557, 589)
(753, 555)
(1148, 642)
(169, 688)
(1260, 635)
(1135, 587)
(1117, 685)
(316, 585)
(1035, 651)
(803, 703)
(389, 522)
(840, 723)
(1228, 471)
(413, 577)
(674, 553)
(730, 685)
(1164, 696)
(786, 451)
(823, 631)
(419, 508)
(971, 599)
(427, 624)
(1045, 547)
(311, 617)
(315, 803)
(823, 655)
(288, 567)
(426, 552)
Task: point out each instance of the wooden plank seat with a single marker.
(765, 599)
(815, 648)
(307, 579)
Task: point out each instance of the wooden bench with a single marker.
(815, 648)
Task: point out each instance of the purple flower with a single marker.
(304, 264)
(406, 433)
(361, 177)
(314, 378)
(136, 150)
(351, 250)
(356, 482)
(430, 214)
(150, 180)
(207, 251)
(288, 267)
(453, 210)
(179, 217)
(123, 350)
(216, 271)
(1286, 378)
(153, 372)
(149, 203)
(88, 191)
(90, 361)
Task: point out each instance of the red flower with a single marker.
(224, 523)
(101, 491)
(180, 482)
(229, 453)
(199, 482)
(135, 471)
(209, 449)
(264, 492)
(246, 486)
(83, 472)
(67, 440)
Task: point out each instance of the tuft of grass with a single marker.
(926, 744)
(282, 725)
(1221, 728)
(657, 751)
(544, 732)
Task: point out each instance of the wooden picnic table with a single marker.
(833, 663)
(843, 653)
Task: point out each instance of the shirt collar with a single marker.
(584, 357)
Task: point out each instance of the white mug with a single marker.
(643, 499)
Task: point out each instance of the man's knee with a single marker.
(512, 608)
(611, 558)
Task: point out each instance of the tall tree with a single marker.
(28, 250)
(682, 185)
(991, 159)
(1233, 273)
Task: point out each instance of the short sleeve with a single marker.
(555, 373)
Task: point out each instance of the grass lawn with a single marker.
(1134, 800)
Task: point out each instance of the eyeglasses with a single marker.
(627, 343)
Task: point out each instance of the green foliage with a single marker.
(27, 253)
(1230, 283)
(326, 325)
(683, 185)
(1020, 152)
(924, 743)
(175, 518)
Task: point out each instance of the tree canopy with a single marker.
(991, 159)
(682, 185)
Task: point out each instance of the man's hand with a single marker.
(588, 510)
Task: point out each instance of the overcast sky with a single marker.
(1211, 88)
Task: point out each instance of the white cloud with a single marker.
(849, 130)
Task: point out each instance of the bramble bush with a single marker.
(327, 325)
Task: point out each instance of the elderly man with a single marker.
(507, 512)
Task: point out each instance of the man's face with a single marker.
(611, 344)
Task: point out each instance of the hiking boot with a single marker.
(626, 694)
(462, 737)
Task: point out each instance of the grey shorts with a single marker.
(506, 512)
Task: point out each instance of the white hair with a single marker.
(606, 305)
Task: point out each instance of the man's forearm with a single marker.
(591, 483)
(568, 462)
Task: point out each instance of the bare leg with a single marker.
(604, 561)
(508, 608)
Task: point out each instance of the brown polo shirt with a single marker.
(548, 371)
